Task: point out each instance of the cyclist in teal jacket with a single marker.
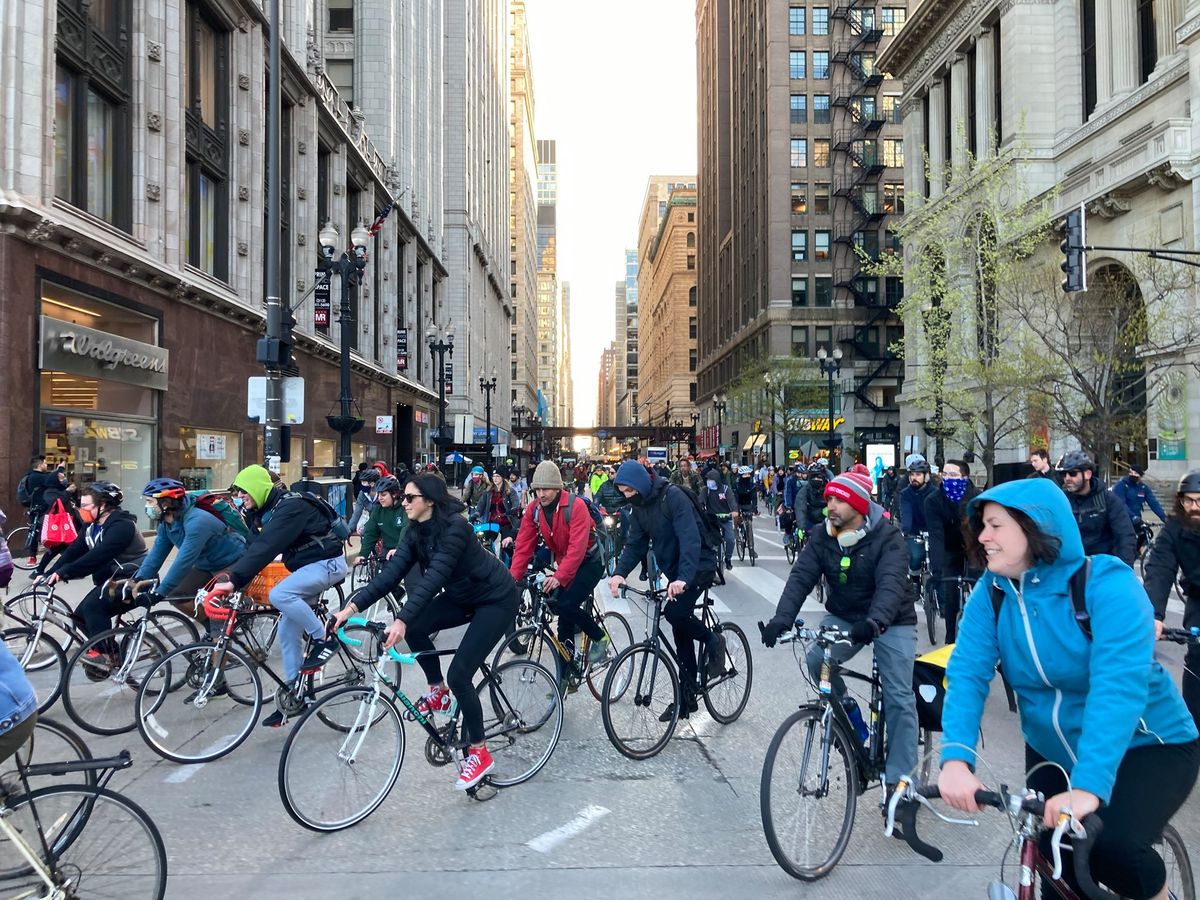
(1096, 704)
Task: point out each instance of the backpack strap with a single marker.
(537, 510)
(1078, 588)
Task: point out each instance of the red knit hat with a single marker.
(854, 487)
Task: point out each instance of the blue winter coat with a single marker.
(204, 543)
(1083, 702)
(1133, 494)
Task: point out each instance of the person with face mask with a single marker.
(717, 499)
(476, 487)
(1135, 494)
(912, 510)
(108, 544)
(945, 513)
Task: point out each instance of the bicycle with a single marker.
(935, 607)
(18, 543)
(332, 777)
(608, 536)
(51, 740)
(643, 682)
(791, 542)
(363, 574)
(1145, 540)
(200, 702)
(539, 642)
(71, 840)
(1026, 811)
(817, 754)
(744, 537)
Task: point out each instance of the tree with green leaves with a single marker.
(794, 385)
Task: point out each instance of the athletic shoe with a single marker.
(690, 705)
(436, 701)
(716, 655)
(220, 690)
(320, 651)
(275, 720)
(475, 766)
(598, 651)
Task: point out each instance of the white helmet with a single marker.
(744, 470)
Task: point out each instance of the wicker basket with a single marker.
(260, 586)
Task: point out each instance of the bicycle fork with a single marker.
(15, 839)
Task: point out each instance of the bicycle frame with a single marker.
(868, 758)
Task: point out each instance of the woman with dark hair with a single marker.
(1093, 701)
(460, 583)
(501, 506)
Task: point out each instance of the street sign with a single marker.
(602, 434)
(293, 399)
(656, 454)
(321, 302)
(383, 424)
(401, 349)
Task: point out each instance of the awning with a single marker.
(706, 454)
(754, 441)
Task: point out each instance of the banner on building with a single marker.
(402, 349)
(448, 376)
(321, 302)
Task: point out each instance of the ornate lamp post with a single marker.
(487, 385)
(695, 422)
(720, 404)
(439, 346)
(831, 366)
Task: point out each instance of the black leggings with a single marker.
(570, 603)
(687, 629)
(488, 624)
(1152, 784)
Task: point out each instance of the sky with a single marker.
(615, 85)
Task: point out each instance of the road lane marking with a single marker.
(180, 775)
(544, 843)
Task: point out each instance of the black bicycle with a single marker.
(935, 604)
(1145, 541)
(642, 693)
(818, 763)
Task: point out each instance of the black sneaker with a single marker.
(221, 690)
(275, 720)
(320, 651)
(690, 705)
(716, 656)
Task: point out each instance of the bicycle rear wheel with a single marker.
(740, 542)
(530, 643)
(172, 628)
(103, 678)
(102, 843)
(1174, 855)
(56, 612)
(52, 742)
(183, 714)
(620, 636)
(255, 632)
(331, 779)
(522, 720)
(42, 659)
(807, 805)
(789, 548)
(641, 688)
(16, 540)
(725, 696)
(929, 600)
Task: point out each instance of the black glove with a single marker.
(772, 630)
(864, 632)
(149, 598)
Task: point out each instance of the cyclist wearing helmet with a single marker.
(1176, 551)
(745, 490)
(912, 510)
(386, 521)
(717, 500)
(810, 507)
(475, 487)
(203, 543)
(1135, 494)
(365, 486)
(109, 543)
(1103, 523)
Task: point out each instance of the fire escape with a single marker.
(857, 203)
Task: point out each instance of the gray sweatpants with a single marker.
(294, 598)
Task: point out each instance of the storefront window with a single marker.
(63, 303)
(211, 458)
(324, 455)
(66, 390)
(290, 472)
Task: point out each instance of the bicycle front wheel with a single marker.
(530, 643)
(172, 628)
(523, 716)
(42, 659)
(1179, 867)
(196, 706)
(930, 601)
(330, 779)
(103, 844)
(104, 676)
(726, 694)
(789, 549)
(16, 540)
(56, 613)
(741, 543)
(620, 636)
(638, 706)
(808, 793)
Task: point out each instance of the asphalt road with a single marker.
(592, 823)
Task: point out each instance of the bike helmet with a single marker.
(387, 483)
(745, 470)
(1076, 459)
(106, 491)
(1190, 483)
(919, 466)
(370, 476)
(164, 489)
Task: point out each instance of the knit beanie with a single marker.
(546, 475)
(854, 487)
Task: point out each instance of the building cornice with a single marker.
(1118, 111)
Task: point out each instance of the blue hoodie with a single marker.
(1082, 703)
(204, 543)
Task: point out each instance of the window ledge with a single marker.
(92, 221)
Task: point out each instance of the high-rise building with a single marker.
(627, 401)
(606, 394)
(476, 199)
(566, 383)
(801, 161)
(548, 297)
(667, 300)
(522, 217)
(621, 317)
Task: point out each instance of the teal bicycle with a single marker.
(343, 757)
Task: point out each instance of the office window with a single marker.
(341, 73)
(893, 291)
(824, 290)
(821, 197)
(862, 61)
(692, 327)
(864, 18)
(892, 244)
(820, 20)
(799, 290)
(796, 63)
(691, 261)
(893, 152)
(1088, 51)
(893, 18)
(891, 109)
(870, 290)
(821, 244)
(796, 20)
(893, 198)
(341, 15)
(799, 246)
(799, 114)
(821, 153)
(1147, 38)
(821, 109)
(799, 198)
(692, 359)
(800, 153)
(692, 296)
(820, 63)
(206, 110)
(867, 242)
(823, 337)
(800, 341)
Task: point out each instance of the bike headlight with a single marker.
(608, 521)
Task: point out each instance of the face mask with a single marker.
(239, 501)
(954, 488)
(153, 512)
(712, 485)
(88, 514)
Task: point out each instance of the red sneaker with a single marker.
(436, 701)
(475, 766)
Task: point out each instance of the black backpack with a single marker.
(1078, 589)
(711, 534)
(24, 494)
(338, 527)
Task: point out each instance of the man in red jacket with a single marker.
(574, 548)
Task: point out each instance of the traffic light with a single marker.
(1074, 264)
(287, 337)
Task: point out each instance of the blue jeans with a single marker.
(727, 530)
(294, 597)
(916, 554)
(895, 650)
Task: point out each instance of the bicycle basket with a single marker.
(260, 586)
(929, 686)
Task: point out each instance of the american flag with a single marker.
(380, 219)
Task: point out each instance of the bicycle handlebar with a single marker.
(377, 630)
(826, 634)
(1182, 635)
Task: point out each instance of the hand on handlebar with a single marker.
(958, 784)
(1077, 803)
(675, 588)
(772, 630)
(615, 583)
(394, 634)
(222, 587)
(340, 617)
(1158, 629)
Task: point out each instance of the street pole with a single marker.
(692, 443)
(487, 386)
(831, 366)
(439, 347)
(349, 267)
(271, 354)
(771, 390)
(719, 406)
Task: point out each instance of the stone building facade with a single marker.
(522, 216)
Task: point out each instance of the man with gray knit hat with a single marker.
(861, 556)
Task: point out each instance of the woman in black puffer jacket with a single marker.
(459, 582)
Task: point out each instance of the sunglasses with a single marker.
(409, 498)
(1074, 473)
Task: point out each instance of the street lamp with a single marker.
(695, 422)
(772, 384)
(439, 346)
(487, 386)
(720, 404)
(349, 266)
(831, 366)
